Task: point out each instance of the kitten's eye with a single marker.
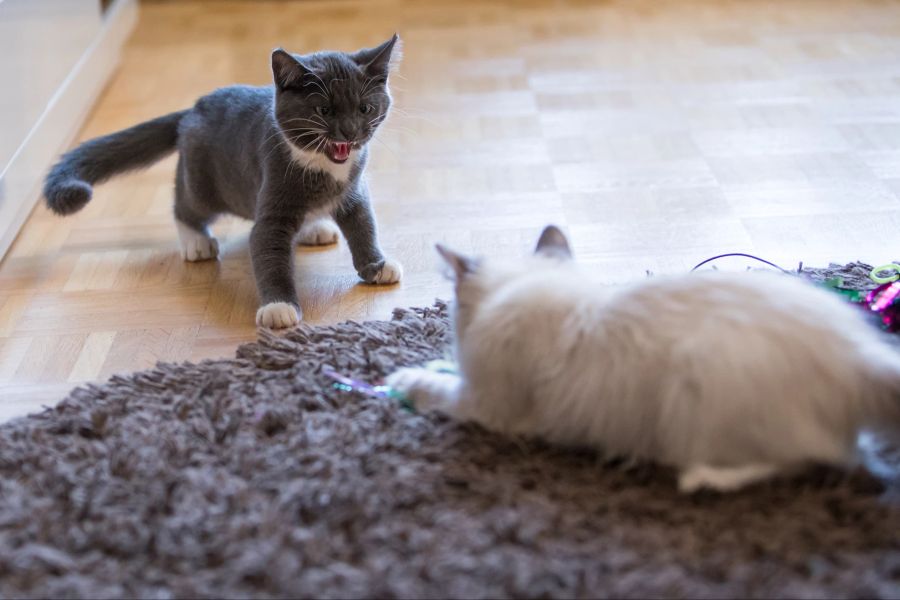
(366, 109)
(323, 110)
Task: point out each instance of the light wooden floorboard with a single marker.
(657, 133)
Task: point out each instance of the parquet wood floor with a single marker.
(657, 133)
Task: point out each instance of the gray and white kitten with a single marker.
(730, 378)
(284, 156)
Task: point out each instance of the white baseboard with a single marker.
(21, 182)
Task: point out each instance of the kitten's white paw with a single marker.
(196, 245)
(391, 272)
(320, 232)
(200, 248)
(277, 315)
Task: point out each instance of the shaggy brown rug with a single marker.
(253, 477)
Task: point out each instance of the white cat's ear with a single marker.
(462, 265)
(378, 61)
(287, 70)
(553, 243)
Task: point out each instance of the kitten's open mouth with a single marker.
(338, 152)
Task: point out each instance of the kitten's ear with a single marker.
(461, 265)
(377, 62)
(553, 243)
(286, 69)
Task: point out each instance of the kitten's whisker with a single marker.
(406, 115)
(312, 132)
(389, 122)
(393, 129)
(366, 85)
(289, 168)
(307, 120)
(407, 111)
(333, 81)
(292, 129)
(283, 132)
(276, 134)
(321, 84)
(396, 128)
(306, 129)
(280, 142)
(322, 140)
(317, 77)
(308, 132)
(377, 139)
(362, 93)
(315, 139)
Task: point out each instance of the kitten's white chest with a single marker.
(326, 210)
(319, 162)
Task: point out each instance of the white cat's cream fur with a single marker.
(730, 378)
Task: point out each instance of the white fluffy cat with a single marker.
(729, 378)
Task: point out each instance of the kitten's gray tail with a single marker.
(68, 186)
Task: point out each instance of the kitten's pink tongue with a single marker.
(340, 150)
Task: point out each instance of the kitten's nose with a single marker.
(346, 133)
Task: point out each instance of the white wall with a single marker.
(40, 42)
(55, 56)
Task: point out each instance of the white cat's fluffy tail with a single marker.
(885, 414)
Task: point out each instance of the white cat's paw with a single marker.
(321, 232)
(405, 379)
(277, 315)
(391, 272)
(427, 390)
(723, 479)
(196, 245)
(411, 382)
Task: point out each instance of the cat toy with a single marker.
(883, 302)
(349, 384)
(877, 278)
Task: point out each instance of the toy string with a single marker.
(875, 274)
(762, 260)
(348, 384)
